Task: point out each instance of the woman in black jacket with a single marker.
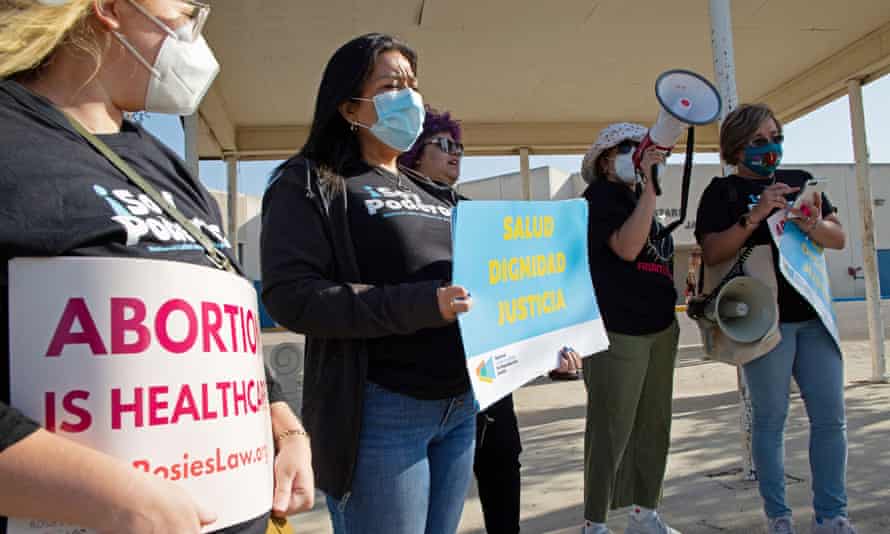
(356, 254)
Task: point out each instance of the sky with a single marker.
(822, 136)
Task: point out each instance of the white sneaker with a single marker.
(837, 525)
(780, 525)
(651, 524)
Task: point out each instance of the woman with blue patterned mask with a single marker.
(732, 216)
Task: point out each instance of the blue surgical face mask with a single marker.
(400, 117)
(763, 160)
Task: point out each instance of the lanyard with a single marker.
(216, 256)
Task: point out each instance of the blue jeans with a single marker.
(415, 461)
(807, 352)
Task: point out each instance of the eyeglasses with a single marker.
(627, 146)
(760, 142)
(197, 12)
(447, 146)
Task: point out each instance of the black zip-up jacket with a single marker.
(311, 286)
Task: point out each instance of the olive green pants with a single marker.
(628, 430)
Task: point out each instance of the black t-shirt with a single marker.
(60, 197)
(401, 234)
(635, 297)
(725, 200)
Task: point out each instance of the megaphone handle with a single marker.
(654, 179)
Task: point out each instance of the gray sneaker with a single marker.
(780, 525)
(591, 529)
(837, 525)
(651, 525)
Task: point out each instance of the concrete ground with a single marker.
(704, 491)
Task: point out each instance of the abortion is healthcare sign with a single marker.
(802, 263)
(525, 265)
(157, 363)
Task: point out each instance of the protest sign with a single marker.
(802, 263)
(526, 266)
(157, 363)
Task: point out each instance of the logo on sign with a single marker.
(485, 371)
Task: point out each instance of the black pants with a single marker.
(497, 466)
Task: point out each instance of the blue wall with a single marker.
(265, 320)
(884, 271)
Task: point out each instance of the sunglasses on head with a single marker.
(759, 142)
(447, 146)
(626, 147)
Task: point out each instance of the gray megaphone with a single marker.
(745, 309)
(686, 99)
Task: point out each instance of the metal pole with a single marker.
(724, 76)
(869, 255)
(232, 200)
(724, 55)
(190, 127)
(525, 173)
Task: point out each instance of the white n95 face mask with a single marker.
(186, 72)
(625, 168)
(181, 74)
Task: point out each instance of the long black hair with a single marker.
(331, 145)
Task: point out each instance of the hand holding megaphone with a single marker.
(652, 157)
(686, 99)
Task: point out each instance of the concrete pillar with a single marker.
(869, 254)
(232, 201)
(724, 55)
(724, 77)
(525, 173)
(190, 127)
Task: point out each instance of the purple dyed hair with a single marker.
(434, 123)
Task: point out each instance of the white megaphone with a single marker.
(686, 99)
(744, 309)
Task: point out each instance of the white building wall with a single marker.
(548, 183)
(248, 231)
(841, 191)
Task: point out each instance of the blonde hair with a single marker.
(31, 31)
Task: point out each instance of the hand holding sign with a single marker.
(809, 212)
(294, 480)
(569, 361)
(772, 198)
(156, 505)
(452, 301)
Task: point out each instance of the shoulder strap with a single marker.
(734, 271)
(216, 256)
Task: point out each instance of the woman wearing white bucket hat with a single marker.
(629, 386)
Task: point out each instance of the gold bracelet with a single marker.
(289, 433)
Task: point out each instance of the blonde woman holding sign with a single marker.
(69, 70)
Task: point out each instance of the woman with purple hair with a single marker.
(440, 163)
(436, 156)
